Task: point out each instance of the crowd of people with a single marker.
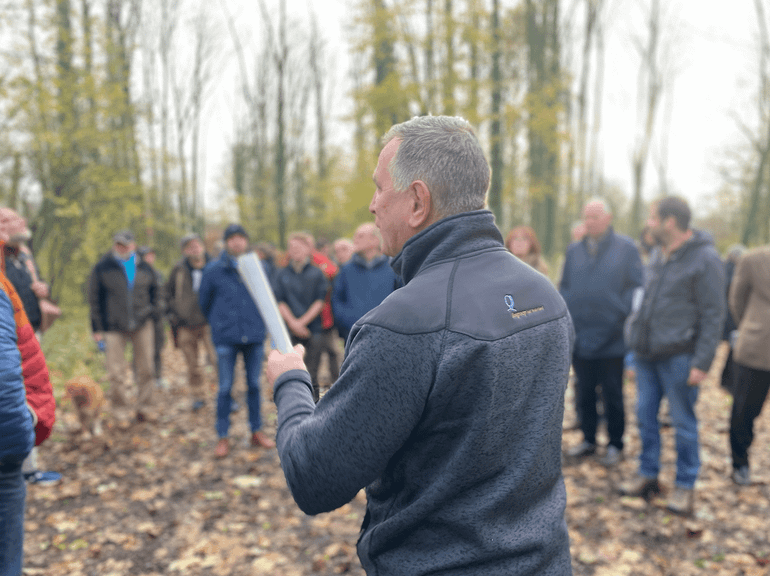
(449, 404)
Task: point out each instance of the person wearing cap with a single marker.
(184, 312)
(123, 295)
(236, 327)
(159, 327)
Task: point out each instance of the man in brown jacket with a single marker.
(750, 306)
(184, 312)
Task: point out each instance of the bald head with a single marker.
(597, 218)
(367, 241)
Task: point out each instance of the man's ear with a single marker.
(421, 212)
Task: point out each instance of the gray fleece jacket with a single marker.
(448, 410)
(684, 304)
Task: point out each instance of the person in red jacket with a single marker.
(16, 433)
(37, 381)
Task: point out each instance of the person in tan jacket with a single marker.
(749, 301)
(184, 312)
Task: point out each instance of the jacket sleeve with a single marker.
(331, 450)
(740, 288)
(94, 301)
(170, 291)
(340, 306)
(712, 305)
(206, 292)
(16, 419)
(37, 383)
(634, 271)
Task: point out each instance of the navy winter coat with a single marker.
(599, 291)
(227, 304)
(359, 287)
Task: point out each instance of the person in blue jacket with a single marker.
(364, 282)
(449, 404)
(236, 327)
(601, 273)
(17, 438)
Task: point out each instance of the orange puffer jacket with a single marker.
(37, 381)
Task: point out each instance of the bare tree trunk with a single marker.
(495, 132)
(650, 85)
(450, 76)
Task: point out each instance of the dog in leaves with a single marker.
(88, 398)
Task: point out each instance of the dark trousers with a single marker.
(606, 373)
(728, 373)
(749, 393)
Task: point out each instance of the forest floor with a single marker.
(150, 498)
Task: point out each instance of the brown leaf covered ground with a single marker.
(150, 498)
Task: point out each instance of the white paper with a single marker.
(250, 269)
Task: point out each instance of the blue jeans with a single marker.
(252, 358)
(653, 380)
(13, 492)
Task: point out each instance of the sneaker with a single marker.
(741, 476)
(197, 405)
(640, 486)
(582, 449)
(611, 457)
(681, 501)
(42, 478)
(259, 438)
(222, 449)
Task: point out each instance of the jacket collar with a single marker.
(446, 239)
(376, 261)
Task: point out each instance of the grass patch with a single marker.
(70, 350)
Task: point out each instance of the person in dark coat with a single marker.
(123, 295)
(300, 291)
(674, 336)
(236, 328)
(450, 401)
(601, 273)
(364, 282)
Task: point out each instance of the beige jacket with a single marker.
(750, 306)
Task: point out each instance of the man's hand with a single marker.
(278, 363)
(298, 329)
(696, 376)
(98, 337)
(40, 289)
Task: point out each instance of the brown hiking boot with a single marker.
(259, 438)
(223, 448)
(640, 486)
(681, 501)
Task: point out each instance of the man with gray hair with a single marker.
(601, 272)
(449, 406)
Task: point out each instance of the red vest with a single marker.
(33, 367)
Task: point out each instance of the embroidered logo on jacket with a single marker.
(519, 314)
